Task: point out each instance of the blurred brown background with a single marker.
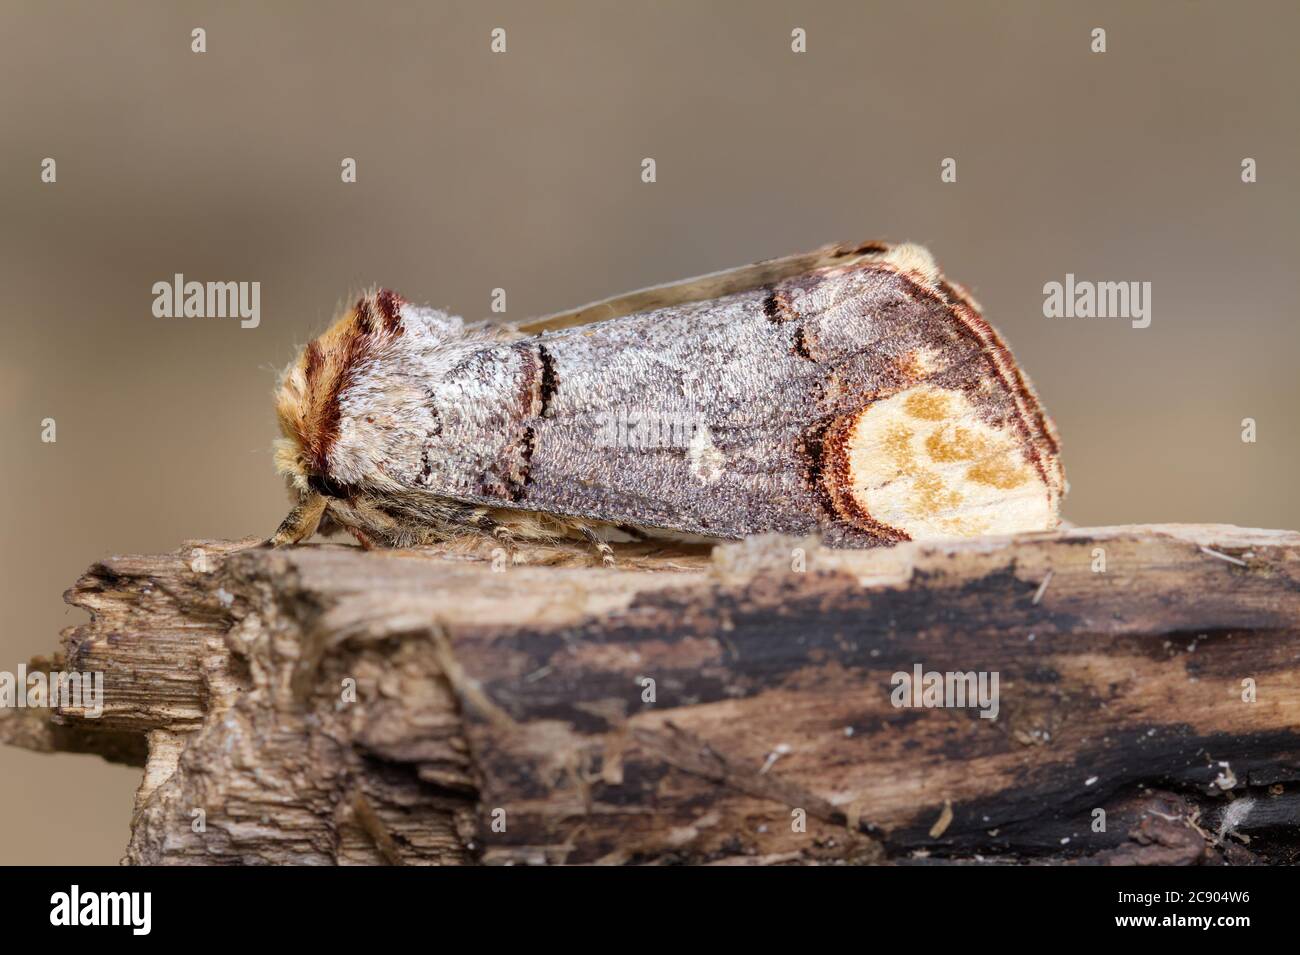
(522, 171)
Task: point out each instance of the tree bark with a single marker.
(324, 704)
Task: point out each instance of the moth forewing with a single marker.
(851, 392)
(714, 285)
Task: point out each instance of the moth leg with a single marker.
(371, 526)
(507, 539)
(365, 540)
(606, 552)
(485, 523)
(301, 522)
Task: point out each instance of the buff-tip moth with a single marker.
(851, 392)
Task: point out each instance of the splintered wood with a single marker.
(1119, 695)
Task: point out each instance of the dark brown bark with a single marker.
(502, 715)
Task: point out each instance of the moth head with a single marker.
(307, 397)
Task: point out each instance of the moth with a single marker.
(851, 392)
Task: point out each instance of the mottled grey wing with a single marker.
(858, 395)
(745, 278)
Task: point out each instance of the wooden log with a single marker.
(323, 704)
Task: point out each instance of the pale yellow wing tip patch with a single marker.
(922, 463)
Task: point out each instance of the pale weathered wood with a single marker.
(491, 691)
